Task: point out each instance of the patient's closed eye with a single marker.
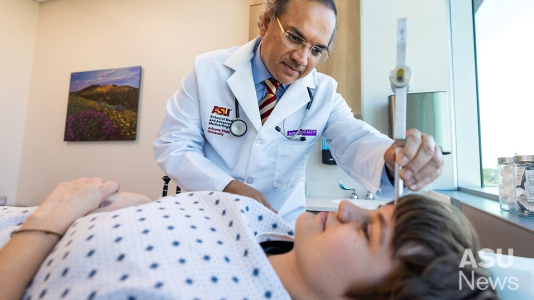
(365, 228)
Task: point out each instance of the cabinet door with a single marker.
(344, 65)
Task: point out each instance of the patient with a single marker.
(221, 246)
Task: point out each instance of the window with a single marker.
(505, 68)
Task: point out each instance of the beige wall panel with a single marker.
(255, 12)
(344, 65)
(162, 36)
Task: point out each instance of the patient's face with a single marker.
(345, 256)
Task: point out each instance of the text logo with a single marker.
(488, 261)
(221, 111)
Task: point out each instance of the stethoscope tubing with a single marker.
(302, 138)
(238, 121)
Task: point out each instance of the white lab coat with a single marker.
(199, 155)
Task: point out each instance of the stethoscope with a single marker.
(238, 127)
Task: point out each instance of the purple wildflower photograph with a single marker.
(103, 105)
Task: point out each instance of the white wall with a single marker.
(163, 36)
(18, 28)
(428, 52)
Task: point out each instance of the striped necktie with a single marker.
(269, 101)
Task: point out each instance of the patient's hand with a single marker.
(121, 200)
(70, 201)
(22, 255)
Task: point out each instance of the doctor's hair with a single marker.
(429, 243)
(274, 8)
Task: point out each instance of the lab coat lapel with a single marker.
(293, 99)
(242, 83)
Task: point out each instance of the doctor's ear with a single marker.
(264, 23)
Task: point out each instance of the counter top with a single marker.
(490, 207)
(319, 203)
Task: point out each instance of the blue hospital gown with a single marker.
(202, 245)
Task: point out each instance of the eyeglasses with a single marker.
(294, 41)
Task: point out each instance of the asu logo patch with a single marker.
(221, 111)
(219, 121)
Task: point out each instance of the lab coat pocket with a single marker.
(290, 162)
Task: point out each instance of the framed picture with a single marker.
(103, 105)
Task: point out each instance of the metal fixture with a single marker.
(353, 195)
(166, 180)
(429, 112)
(369, 196)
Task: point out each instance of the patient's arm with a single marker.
(21, 257)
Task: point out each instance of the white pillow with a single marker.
(512, 276)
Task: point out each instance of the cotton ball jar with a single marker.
(524, 185)
(505, 168)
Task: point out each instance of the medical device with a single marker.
(238, 127)
(401, 80)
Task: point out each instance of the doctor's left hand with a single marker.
(239, 188)
(420, 158)
(121, 200)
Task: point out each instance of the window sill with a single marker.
(487, 202)
(491, 193)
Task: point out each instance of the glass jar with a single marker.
(505, 167)
(524, 184)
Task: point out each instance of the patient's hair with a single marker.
(429, 243)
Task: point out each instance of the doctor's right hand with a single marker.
(236, 187)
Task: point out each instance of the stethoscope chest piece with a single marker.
(238, 127)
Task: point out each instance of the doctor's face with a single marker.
(312, 21)
(345, 257)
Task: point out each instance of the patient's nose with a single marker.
(349, 212)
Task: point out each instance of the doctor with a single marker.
(271, 87)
